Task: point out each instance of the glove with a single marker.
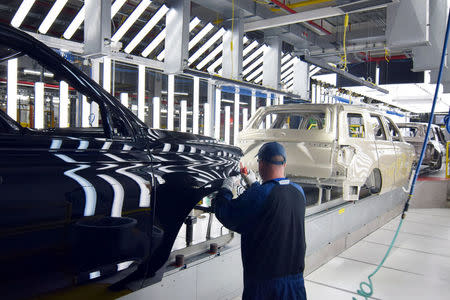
(250, 177)
(230, 183)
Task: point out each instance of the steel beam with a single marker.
(325, 65)
(320, 13)
(176, 43)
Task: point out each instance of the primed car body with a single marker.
(323, 152)
(78, 204)
(414, 133)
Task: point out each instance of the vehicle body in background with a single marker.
(333, 146)
(414, 133)
(86, 203)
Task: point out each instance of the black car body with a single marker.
(78, 204)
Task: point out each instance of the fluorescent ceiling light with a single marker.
(249, 48)
(287, 65)
(253, 55)
(253, 65)
(116, 7)
(22, 12)
(285, 74)
(147, 28)
(200, 35)
(227, 101)
(206, 45)
(285, 59)
(210, 56)
(51, 16)
(259, 79)
(37, 73)
(156, 41)
(130, 20)
(254, 74)
(214, 66)
(289, 77)
(192, 25)
(245, 39)
(177, 93)
(195, 21)
(75, 23)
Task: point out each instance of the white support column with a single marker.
(227, 125)
(170, 101)
(156, 114)
(195, 105)
(236, 118)
(39, 105)
(206, 119)
(11, 108)
(244, 118)
(176, 43)
(96, 77)
(217, 113)
(64, 104)
(85, 112)
(268, 118)
(253, 103)
(124, 99)
(107, 74)
(232, 48)
(272, 62)
(141, 93)
(281, 99)
(301, 79)
(183, 116)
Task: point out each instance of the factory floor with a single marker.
(418, 266)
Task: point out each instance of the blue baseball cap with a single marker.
(271, 149)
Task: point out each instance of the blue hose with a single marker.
(369, 292)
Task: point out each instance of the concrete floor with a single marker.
(418, 266)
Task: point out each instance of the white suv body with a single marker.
(330, 145)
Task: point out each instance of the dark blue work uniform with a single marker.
(270, 218)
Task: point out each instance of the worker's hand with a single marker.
(250, 177)
(231, 183)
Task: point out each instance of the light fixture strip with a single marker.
(183, 116)
(147, 28)
(249, 48)
(259, 79)
(206, 45)
(51, 16)
(22, 12)
(39, 105)
(286, 73)
(210, 56)
(236, 119)
(79, 18)
(64, 104)
(206, 119)
(11, 106)
(255, 73)
(253, 55)
(285, 58)
(200, 35)
(195, 105)
(227, 125)
(245, 40)
(115, 7)
(156, 110)
(141, 93)
(170, 101)
(156, 41)
(217, 113)
(130, 20)
(287, 65)
(214, 66)
(244, 118)
(253, 66)
(289, 77)
(107, 74)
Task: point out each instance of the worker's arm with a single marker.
(237, 214)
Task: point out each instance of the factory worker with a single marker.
(271, 220)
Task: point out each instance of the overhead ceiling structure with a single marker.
(376, 32)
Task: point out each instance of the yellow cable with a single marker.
(345, 37)
(386, 53)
